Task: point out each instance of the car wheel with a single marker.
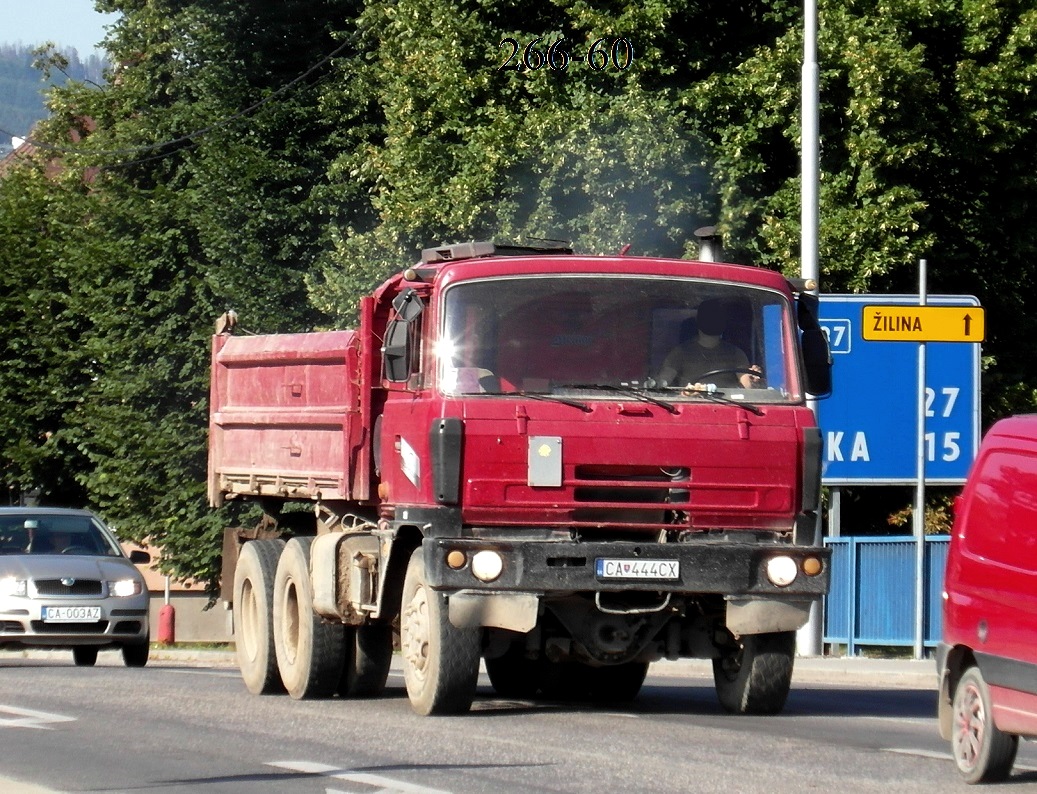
(755, 677)
(254, 615)
(983, 752)
(136, 655)
(440, 661)
(84, 655)
(309, 649)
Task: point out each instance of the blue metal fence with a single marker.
(872, 596)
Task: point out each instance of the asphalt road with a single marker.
(188, 724)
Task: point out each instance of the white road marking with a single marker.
(383, 784)
(27, 718)
(944, 756)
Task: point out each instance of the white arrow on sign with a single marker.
(27, 718)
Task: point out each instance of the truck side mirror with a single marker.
(818, 362)
(817, 358)
(396, 350)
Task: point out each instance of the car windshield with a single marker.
(588, 337)
(48, 533)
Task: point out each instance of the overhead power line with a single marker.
(133, 150)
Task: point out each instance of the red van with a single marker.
(987, 661)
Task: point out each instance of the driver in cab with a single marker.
(707, 352)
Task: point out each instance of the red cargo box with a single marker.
(284, 415)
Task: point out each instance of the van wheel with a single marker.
(440, 661)
(254, 615)
(368, 657)
(755, 676)
(983, 753)
(309, 649)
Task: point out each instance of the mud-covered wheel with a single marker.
(982, 752)
(84, 655)
(254, 615)
(619, 683)
(309, 649)
(440, 661)
(136, 654)
(755, 676)
(512, 675)
(367, 659)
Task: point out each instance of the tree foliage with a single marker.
(280, 159)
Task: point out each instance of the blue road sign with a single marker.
(870, 423)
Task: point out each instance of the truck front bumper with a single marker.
(552, 567)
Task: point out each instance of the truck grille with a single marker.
(630, 495)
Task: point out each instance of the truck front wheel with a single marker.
(440, 661)
(755, 676)
(309, 649)
(253, 615)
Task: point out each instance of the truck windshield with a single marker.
(588, 337)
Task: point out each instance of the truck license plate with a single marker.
(661, 570)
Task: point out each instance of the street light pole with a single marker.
(809, 638)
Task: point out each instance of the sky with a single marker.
(68, 23)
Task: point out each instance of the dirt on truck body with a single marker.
(568, 466)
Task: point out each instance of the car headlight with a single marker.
(125, 587)
(9, 586)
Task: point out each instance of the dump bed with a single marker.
(284, 415)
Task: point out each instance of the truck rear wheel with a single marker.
(617, 683)
(982, 751)
(755, 678)
(440, 661)
(309, 649)
(254, 615)
(368, 656)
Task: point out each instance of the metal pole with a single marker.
(809, 638)
(918, 514)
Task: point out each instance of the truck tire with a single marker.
(982, 752)
(756, 678)
(309, 649)
(368, 656)
(440, 661)
(512, 675)
(619, 683)
(254, 615)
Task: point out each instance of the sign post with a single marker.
(876, 425)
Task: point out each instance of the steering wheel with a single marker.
(728, 370)
(77, 550)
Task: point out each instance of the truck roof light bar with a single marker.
(477, 250)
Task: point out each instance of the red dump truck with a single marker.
(503, 462)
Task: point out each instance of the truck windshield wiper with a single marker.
(637, 394)
(720, 397)
(551, 398)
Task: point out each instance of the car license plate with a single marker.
(71, 614)
(659, 570)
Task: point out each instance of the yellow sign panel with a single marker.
(923, 323)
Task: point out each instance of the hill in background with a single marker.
(21, 87)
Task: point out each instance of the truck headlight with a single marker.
(782, 571)
(487, 565)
